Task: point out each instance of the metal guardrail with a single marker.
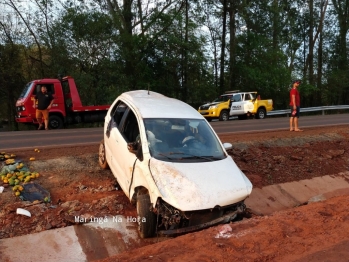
(309, 109)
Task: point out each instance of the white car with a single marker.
(170, 163)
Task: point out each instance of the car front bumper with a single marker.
(209, 113)
(24, 119)
(221, 220)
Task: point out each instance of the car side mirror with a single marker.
(132, 147)
(136, 148)
(227, 146)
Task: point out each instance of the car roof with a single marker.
(150, 104)
(230, 94)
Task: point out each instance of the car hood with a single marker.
(211, 104)
(203, 185)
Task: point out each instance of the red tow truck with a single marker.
(66, 108)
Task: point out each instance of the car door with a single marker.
(112, 138)
(236, 107)
(248, 105)
(121, 158)
(37, 89)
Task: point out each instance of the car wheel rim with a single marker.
(101, 154)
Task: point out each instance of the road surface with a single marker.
(87, 136)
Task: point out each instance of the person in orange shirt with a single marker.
(295, 104)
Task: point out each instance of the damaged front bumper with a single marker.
(221, 220)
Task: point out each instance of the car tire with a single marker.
(55, 122)
(261, 113)
(224, 115)
(146, 218)
(102, 158)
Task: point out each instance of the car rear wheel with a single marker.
(146, 218)
(102, 159)
(261, 113)
(224, 116)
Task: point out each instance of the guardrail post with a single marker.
(323, 112)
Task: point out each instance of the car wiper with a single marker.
(169, 158)
(209, 158)
(172, 153)
(189, 156)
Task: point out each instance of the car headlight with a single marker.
(213, 107)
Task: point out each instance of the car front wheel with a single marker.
(224, 115)
(146, 218)
(55, 122)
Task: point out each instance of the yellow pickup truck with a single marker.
(236, 103)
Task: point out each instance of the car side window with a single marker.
(237, 97)
(117, 112)
(50, 89)
(247, 97)
(130, 128)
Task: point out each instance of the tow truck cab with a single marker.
(66, 108)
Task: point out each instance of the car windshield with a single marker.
(222, 99)
(26, 90)
(185, 140)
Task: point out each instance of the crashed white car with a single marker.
(170, 163)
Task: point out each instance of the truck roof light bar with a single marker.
(233, 91)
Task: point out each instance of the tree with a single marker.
(339, 78)
(133, 23)
(11, 81)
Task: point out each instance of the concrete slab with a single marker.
(287, 195)
(317, 184)
(338, 192)
(269, 199)
(96, 240)
(110, 236)
(56, 245)
(326, 184)
(296, 191)
(335, 183)
(258, 202)
(279, 196)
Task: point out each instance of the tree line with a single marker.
(193, 50)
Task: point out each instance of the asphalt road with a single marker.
(87, 136)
